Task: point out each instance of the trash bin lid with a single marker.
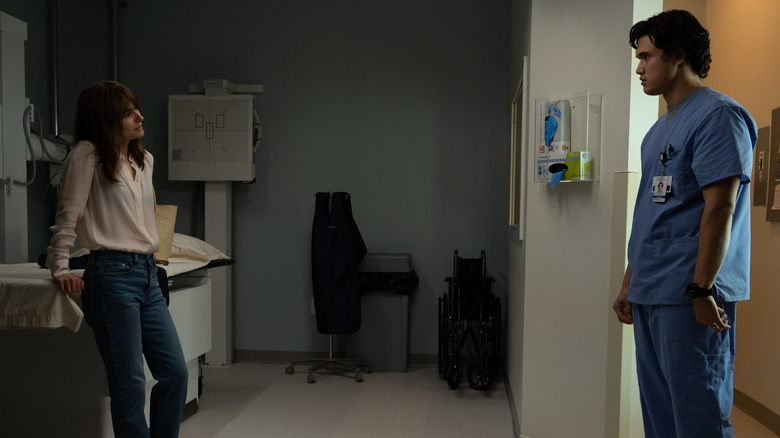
(387, 262)
(393, 282)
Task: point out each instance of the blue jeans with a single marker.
(125, 308)
(686, 372)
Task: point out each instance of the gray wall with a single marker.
(404, 104)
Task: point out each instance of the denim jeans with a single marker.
(125, 308)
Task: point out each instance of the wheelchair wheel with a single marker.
(453, 376)
(482, 374)
(454, 372)
(492, 335)
(495, 336)
(443, 335)
(480, 377)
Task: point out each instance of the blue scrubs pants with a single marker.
(686, 372)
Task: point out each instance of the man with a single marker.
(689, 251)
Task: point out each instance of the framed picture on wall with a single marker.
(773, 191)
(761, 167)
(517, 155)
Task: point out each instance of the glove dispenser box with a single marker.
(567, 139)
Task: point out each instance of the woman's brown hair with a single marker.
(99, 113)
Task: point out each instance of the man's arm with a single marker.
(714, 235)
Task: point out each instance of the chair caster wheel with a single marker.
(311, 379)
(367, 369)
(289, 370)
(359, 377)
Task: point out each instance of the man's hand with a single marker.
(622, 306)
(708, 313)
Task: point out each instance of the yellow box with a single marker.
(580, 165)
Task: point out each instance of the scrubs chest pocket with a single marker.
(673, 166)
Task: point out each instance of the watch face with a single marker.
(696, 291)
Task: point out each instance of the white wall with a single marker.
(520, 47)
(575, 47)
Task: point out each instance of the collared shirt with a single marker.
(101, 214)
(710, 138)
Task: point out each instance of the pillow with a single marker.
(194, 248)
(165, 219)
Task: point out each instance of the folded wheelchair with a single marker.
(469, 310)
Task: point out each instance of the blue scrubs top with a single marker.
(711, 137)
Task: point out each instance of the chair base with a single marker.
(353, 368)
(331, 365)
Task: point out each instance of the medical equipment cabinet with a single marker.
(211, 138)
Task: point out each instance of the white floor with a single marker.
(260, 400)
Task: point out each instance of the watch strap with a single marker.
(695, 291)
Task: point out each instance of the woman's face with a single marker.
(132, 124)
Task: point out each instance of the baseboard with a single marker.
(271, 356)
(424, 359)
(512, 408)
(759, 412)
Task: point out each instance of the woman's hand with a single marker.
(69, 283)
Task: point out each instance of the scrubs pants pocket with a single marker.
(707, 371)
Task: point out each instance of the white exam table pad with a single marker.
(29, 297)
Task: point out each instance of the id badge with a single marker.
(662, 187)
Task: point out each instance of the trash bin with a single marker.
(386, 284)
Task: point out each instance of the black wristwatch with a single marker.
(695, 291)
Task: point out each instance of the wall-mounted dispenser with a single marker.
(568, 139)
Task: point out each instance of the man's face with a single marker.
(656, 71)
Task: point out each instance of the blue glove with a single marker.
(550, 122)
(557, 171)
(550, 126)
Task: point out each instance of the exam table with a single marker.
(52, 381)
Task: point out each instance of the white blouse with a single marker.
(101, 214)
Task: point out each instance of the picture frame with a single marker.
(773, 191)
(518, 154)
(760, 179)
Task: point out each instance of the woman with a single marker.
(107, 202)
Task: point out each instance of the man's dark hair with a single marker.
(673, 30)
